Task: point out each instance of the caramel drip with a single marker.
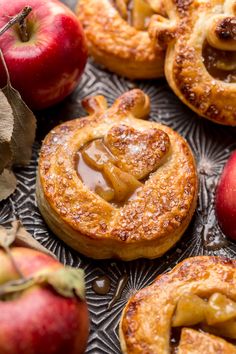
(101, 285)
(94, 179)
(119, 290)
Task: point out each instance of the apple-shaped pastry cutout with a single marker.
(44, 312)
(46, 64)
(226, 198)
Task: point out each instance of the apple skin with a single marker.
(39, 321)
(46, 68)
(226, 198)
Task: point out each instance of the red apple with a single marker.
(226, 198)
(39, 320)
(47, 67)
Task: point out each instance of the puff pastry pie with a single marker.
(199, 292)
(200, 64)
(113, 185)
(117, 36)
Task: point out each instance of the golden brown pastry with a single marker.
(117, 36)
(199, 292)
(200, 64)
(114, 185)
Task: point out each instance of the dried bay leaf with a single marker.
(17, 133)
(23, 134)
(67, 282)
(8, 184)
(16, 286)
(6, 130)
(6, 239)
(24, 239)
(3, 237)
(17, 235)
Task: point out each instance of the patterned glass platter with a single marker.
(211, 144)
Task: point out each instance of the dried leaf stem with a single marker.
(5, 66)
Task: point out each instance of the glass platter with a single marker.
(211, 144)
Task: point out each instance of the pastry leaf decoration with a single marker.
(67, 282)
(17, 126)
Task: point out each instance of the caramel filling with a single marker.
(135, 12)
(96, 167)
(221, 64)
(216, 315)
(116, 166)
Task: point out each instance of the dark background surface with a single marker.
(211, 145)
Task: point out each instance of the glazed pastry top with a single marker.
(145, 156)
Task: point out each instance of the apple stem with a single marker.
(24, 34)
(20, 19)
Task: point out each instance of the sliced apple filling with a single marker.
(190, 311)
(122, 7)
(141, 14)
(136, 12)
(124, 184)
(97, 169)
(221, 64)
(216, 315)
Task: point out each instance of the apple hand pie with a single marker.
(114, 185)
(199, 292)
(117, 36)
(200, 64)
